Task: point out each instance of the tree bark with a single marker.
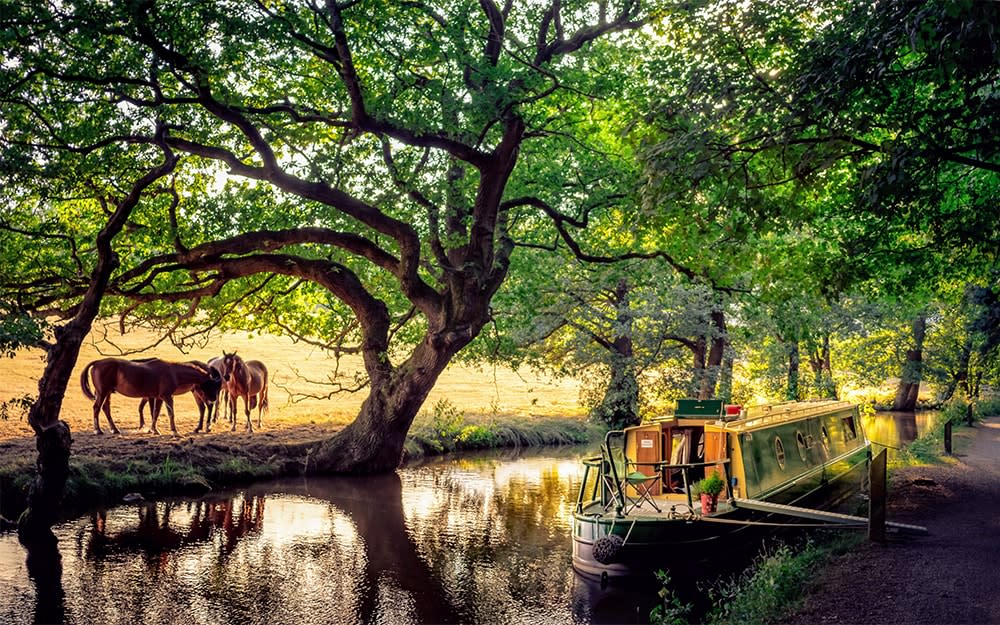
(819, 361)
(373, 442)
(792, 382)
(717, 342)
(620, 406)
(909, 381)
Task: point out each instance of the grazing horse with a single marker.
(247, 380)
(155, 379)
(211, 407)
(199, 397)
(213, 416)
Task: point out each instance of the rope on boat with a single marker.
(629, 532)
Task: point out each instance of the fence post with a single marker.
(876, 499)
(947, 437)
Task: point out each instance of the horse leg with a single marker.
(169, 401)
(232, 411)
(201, 415)
(142, 419)
(107, 414)
(98, 402)
(246, 409)
(157, 405)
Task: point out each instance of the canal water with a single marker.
(474, 539)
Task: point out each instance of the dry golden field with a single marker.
(292, 367)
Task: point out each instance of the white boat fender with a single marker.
(606, 548)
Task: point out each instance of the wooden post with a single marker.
(876, 500)
(947, 437)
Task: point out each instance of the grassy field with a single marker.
(295, 370)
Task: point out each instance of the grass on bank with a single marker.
(777, 582)
(929, 448)
(770, 587)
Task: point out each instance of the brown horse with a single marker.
(247, 380)
(211, 407)
(155, 379)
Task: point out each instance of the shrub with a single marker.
(476, 437)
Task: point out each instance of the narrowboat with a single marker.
(638, 508)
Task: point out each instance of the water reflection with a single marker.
(894, 430)
(480, 539)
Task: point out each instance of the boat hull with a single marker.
(651, 542)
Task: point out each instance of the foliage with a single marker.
(495, 432)
(16, 406)
(770, 587)
(671, 610)
(711, 485)
(18, 329)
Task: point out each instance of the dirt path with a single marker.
(951, 577)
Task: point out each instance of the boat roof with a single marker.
(754, 417)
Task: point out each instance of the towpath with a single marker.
(951, 577)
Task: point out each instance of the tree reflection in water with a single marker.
(467, 540)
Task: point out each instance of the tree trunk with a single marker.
(620, 405)
(713, 365)
(819, 361)
(373, 442)
(698, 355)
(909, 381)
(726, 377)
(53, 436)
(792, 383)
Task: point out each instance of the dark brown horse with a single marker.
(204, 406)
(247, 380)
(153, 379)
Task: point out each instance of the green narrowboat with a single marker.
(639, 510)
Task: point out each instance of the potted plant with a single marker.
(710, 487)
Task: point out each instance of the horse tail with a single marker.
(85, 381)
(263, 395)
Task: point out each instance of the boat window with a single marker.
(800, 442)
(849, 432)
(826, 439)
(779, 451)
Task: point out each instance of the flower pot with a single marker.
(709, 503)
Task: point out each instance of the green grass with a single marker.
(775, 583)
(444, 429)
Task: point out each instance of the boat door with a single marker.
(648, 452)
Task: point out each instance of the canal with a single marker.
(481, 538)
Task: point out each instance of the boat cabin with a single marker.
(757, 451)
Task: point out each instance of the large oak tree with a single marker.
(344, 169)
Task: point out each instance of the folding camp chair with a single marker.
(643, 485)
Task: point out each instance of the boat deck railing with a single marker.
(612, 485)
(769, 414)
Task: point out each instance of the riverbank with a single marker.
(951, 576)
(106, 468)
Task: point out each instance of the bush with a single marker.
(772, 586)
(476, 437)
(446, 420)
(671, 611)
